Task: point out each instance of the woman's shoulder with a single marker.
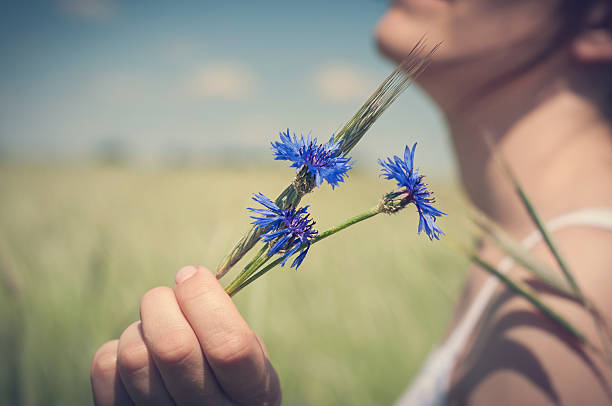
(520, 355)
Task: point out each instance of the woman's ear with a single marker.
(593, 46)
(594, 43)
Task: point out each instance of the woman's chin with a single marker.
(398, 32)
(391, 38)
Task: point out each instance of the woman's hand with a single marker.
(191, 347)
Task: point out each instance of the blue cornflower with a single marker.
(413, 190)
(288, 230)
(324, 161)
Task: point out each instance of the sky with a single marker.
(198, 81)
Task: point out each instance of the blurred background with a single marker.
(131, 137)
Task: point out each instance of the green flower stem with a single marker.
(248, 276)
(354, 220)
(258, 261)
(236, 287)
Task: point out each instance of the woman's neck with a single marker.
(551, 134)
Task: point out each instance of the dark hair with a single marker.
(577, 15)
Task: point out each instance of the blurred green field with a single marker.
(79, 247)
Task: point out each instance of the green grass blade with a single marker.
(535, 217)
(528, 294)
(523, 290)
(533, 214)
(603, 336)
(515, 251)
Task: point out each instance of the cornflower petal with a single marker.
(298, 260)
(263, 200)
(295, 246)
(271, 215)
(324, 161)
(412, 189)
(278, 245)
(286, 230)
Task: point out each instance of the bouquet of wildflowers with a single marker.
(285, 231)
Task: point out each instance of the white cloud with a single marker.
(339, 82)
(88, 9)
(223, 80)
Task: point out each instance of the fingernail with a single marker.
(185, 273)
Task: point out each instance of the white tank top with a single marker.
(430, 387)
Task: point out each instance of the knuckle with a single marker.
(152, 296)
(133, 358)
(190, 292)
(174, 347)
(104, 364)
(233, 349)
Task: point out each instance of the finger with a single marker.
(105, 381)
(176, 350)
(230, 346)
(138, 372)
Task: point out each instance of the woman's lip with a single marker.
(422, 3)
